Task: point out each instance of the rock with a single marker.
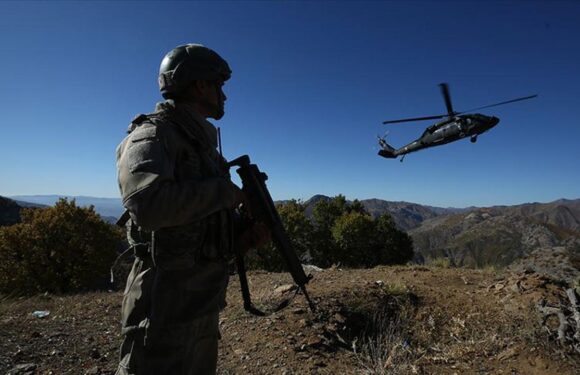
(93, 371)
(507, 354)
(285, 288)
(94, 353)
(314, 341)
(339, 318)
(311, 268)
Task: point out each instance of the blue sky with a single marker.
(312, 83)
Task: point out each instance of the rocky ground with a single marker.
(386, 320)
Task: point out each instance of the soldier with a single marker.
(177, 189)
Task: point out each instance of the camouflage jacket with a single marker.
(174, 183)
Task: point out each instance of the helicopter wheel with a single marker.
(473, 139)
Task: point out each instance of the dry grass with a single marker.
(440, 263)
(386, 350)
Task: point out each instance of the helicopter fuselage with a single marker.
(449, 130)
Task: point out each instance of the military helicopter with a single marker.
(454, 126)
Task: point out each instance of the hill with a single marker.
(541, 235)
(502, 235)
(390, 320)
(405, 214)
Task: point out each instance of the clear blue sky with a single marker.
(312, 83)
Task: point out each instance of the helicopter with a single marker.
(453, 127)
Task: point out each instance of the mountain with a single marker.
(406, 215)
(520, 235)
(543, 236)
(506, 235)
(108, 208)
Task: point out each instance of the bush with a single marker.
(59, 249)
(325, 214)
(396, 245)
(354, 234)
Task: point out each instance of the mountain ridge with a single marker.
(529, 234)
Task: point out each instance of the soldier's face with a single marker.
(215, 99)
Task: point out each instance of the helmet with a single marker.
(188, 63)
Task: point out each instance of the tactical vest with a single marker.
(209, 238)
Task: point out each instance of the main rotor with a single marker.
(450, 112)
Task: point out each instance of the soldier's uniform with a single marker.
(178, 190)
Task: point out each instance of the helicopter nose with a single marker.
(494, 121)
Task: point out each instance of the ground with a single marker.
(385, 320)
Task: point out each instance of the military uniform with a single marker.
(177, 189)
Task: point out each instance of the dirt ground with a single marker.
(386, 320)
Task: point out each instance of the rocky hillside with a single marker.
(501, 235)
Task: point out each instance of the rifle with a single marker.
(262, 209)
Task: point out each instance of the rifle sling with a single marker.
(248, 306)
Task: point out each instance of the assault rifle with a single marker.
(263, 210)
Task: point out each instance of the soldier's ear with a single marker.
(194, 90)
(201, 87)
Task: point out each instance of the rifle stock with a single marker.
(263, 210)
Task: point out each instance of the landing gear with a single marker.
(473, 138)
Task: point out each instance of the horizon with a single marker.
(18, 196)
(306, 106)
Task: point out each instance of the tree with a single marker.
(340, 232)
(354, 234)
(324, 215)
(396, 246)
(345, 233)
(60, 249)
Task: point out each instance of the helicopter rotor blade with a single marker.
(502, 103)
(414, 119)
(447, 98)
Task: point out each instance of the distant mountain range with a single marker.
(109, 208)
(406, 215)
(531, 233)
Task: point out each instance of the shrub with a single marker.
(58, 249)
(354, 235)
(440, 263)
(325, 214)
(396, 246)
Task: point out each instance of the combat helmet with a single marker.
(188, 63)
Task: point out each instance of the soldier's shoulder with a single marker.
(150, 125)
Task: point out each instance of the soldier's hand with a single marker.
(255, 236)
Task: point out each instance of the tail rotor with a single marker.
(386, 151)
